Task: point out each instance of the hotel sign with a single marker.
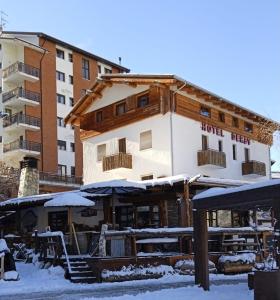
(218, 131)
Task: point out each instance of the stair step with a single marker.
(80, 268)
(89, 279)
(80, 274)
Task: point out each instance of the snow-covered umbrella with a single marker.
(114, 188)
(69, 200)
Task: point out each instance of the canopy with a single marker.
(69, 200)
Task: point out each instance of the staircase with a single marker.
(80, 271)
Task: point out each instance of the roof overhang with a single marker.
(20, 42)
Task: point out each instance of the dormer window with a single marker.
(120, 109)
(143, 100)
(99, 116)
(235, 122)
(205, 111)
(248, 127)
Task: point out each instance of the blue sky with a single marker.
(230, 47)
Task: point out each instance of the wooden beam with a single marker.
(132, 84)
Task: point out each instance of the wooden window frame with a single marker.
(205, 109)
(222, 117)
(143, 98)
(248, 127)
(235, 122)
(123, 103)
(99, 116)
(122, 145)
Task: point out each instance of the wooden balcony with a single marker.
(253, 167)
(212, 158)
(116, 161)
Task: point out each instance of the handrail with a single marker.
(21, 93)
(22, 118)
(22, 144)
(65, 253)
(60, 178)
(21, 67)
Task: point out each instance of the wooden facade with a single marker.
(119, 160)
(211, 157)
(253, 167)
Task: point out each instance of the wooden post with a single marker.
(201, 248)
(133, 246)
(276, 209)
(70, 225)
(36, 241)
(114, 197)
(185, 207)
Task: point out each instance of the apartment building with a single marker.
(41, 80)
(152, 126)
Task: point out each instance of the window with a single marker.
(205, 111)
(147, 177)
(99, 69)
(85, 68)
(146, 140)
(122, 145)
(60, 53)
(60, 76)
(58, 220)
(71, 101)
(220, 146)
(222, 117)
(70, 57)
(61, 145)
(120, 109)
(101, 152)
(99, 116)
(234, 152)
(235, 122)
(73, 171)
(204, 140)
(107, 71)
(124, 216)
(72, 147)
(61, 170)
(212, 218)
(60, 98)
(143, 100)
(247, 154)
(248, 127)
(60, 122)
(71, 80)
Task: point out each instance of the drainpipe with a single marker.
(172, 109)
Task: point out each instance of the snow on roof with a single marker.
(166, 180)
(69, 199)
(3, 246)
(117, 183)
(217, 192)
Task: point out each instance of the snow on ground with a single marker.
(221, 292)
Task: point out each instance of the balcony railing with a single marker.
(56, 178)
(115, 161)
(22, 145)
(253, 167)
(21, 67)
(211, 157)
(21, 93)
(22, 119)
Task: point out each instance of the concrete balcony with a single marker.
(21, 121)
(212, 158)
(253, 168)
(116, 161)
(60, 180)
(19, 97)
(18, 72)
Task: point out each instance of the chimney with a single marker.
(29, 177)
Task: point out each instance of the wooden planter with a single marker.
(266, 285)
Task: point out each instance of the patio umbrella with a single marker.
(114, 188)
(69, 200)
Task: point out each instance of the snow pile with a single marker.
(115, 183)
(157, 241)
(69, 200)
(11, 276)
(244, 258)
(3, 246)
(140, 272)
(186, 267)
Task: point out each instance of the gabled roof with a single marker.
(165, 79)
(69, 46)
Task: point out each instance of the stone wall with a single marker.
(9, 181)
(29, 182)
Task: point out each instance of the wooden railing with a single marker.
(211, 157)
(253, 167)
(21, 93)
(21, 67)
(115, 161)
(21, 118)
(22, 144)
(51, 177)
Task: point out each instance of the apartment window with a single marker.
(99, 69)
(73, 171)
(248, 127)
(70, 57)
(222, 117)
(122, 145)
(85, 68)
(101, 152)
(147, 177)
(247, 154)
(205, 111)
(71, 80)
(71, 101)
(143, 100)
(60, 53)
(220, 146)
(99, 116)
(60, 98)
(60, 122)
(234, 152)
(120, 108)
(107, 71)
(235, 122)
(60, 76)
(72, 147)
(61, 145)
(146, 140)
(204, 141)
(62, 170)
